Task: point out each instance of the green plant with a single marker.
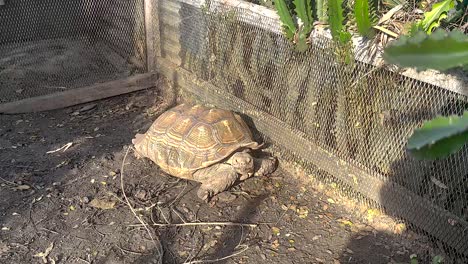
(336, 20)
(433, 18)
(435, 260)
(363, 17)
(297, 23)
(440, 50)
(321, 7)
(289, 27)
(439, 137)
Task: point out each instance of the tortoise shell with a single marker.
(187, 138)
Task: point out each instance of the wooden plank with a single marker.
(157, 30)
(149, 27)
(396, 199)
(80, 95)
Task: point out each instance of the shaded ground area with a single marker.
(28, 69)
(67, 206)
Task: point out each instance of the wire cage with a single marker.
(54, 46)
(343, 121)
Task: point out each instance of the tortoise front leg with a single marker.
(262, 167)
(214, 180)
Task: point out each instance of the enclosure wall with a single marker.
(54, 46)
(26, 20)
(344, 120)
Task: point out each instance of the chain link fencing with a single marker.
(57, 45)
(346, 122)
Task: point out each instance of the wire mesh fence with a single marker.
(53, 46)
(359, 114)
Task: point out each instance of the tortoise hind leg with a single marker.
(214, 180)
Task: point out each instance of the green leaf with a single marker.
(285, 16)
(303, 10)
(321, 8)
(335, 14)
(361, 11)
(439, 51)
(439, 137)
(301, 44)
(439, 11)
(437, 259)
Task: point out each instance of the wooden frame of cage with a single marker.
(100, 90)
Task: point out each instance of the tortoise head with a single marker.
(243, 163)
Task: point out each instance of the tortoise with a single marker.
(209, 145)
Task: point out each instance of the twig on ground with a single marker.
(205, 223)
(75, 180)
(130, 251)
(84, 260)
(62, 148)
(48, 230)
(158, 243)
(178, 196)
(9, 182)
(162, 213)
(178, 214)
(245, 247)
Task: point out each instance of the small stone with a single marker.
(263, 256)
(316, 237)
(141, 194)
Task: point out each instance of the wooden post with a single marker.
(152, 33)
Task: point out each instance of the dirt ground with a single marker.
(28, 69)
(67, 206)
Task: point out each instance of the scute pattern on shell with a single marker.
(187, 138)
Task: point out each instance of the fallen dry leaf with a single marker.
(345, 222)
(275, 231)
(400, 228)
(275, 244)
(102, 204)
(330, 200)
(23, 187)
(303, 211)
(3, 248)
(371, 214)
(45, 254)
